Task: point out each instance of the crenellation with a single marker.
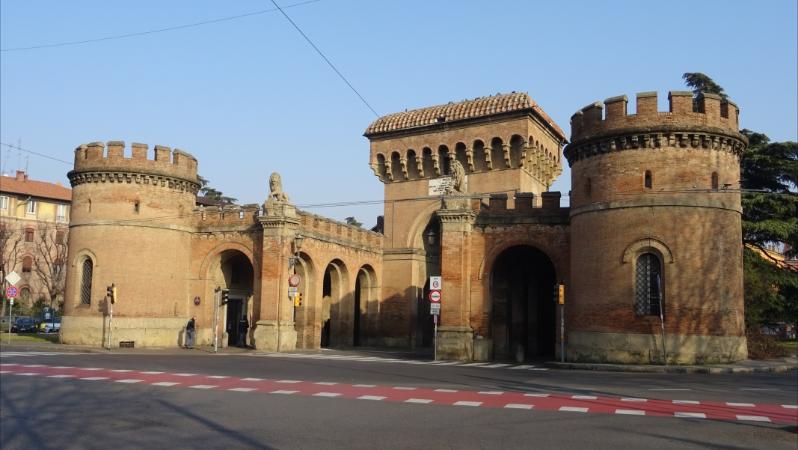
(116, 149)
(163, 154)
(139, 151)
(616, 108)
(646, 105)
(166, 163)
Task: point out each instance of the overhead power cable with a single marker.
(16, 147)
(327, 60)
(157, 30)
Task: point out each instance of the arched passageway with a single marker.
(523, 309)
(235, 274)
(336, 317)
(431, 238)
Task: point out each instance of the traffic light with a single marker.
(111, 293)
(225, 296)
(298, 300)
(561, 293)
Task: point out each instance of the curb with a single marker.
(779, 367)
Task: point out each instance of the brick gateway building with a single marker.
(652, 222)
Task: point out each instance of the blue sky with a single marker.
(250, 96)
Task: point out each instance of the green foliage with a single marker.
(213, 194)
(702, 84)
(770, 291)
(352, 221)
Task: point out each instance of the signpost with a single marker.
(561, 302)
(11, 293)
(435, 297)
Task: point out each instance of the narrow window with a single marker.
(31, 209)
(648, 181)
(89, 204)
(27, 264)
(24, 294)
(715, 181)
(28, 234)
(60, 213)
(3, 202)
(648, 285)
(136, 207)
(85, 282)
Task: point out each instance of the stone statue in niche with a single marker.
(458, 185)
(276, 193)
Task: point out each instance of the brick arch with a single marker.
(216, 251)
(486, 266)
(643, 244)
(418, 225)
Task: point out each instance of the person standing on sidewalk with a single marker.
(190, 329)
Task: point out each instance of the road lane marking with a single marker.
(491, 392)
(203, 386)
(670, 389)
(151, 372)
(239, 389)
(446, 390)
(633, 399)
(466, 403)
(573, 409)
(121, 370)
(63, 375)
(28, 374)
(129, 381)
(94, 378)
(522, 366)
(690, 415)
(63, 367)
(790, 406)
(165, 383)
(91, 368)
(288, 381)
(630, 412)
(33, 365)
(535, 394)
(326, 394)
(371, 397)
(584, 397)
(685, 402)
(218, 377)
(364, 385)
(252, 379)
(477, 364)
(418, 400)
(185, 374)
(326, 383)
(404, 388)
(754, 418)
(495, 366)
(518, 406)
(283, 392)
(746, 405)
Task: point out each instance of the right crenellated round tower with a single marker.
(656, 236)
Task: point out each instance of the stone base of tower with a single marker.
(267, 337)
(143, 332)
(628, 348)
(455, 343)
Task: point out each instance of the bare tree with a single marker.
(50, 260)
(10, 245)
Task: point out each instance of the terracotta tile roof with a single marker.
(23, 186)
(467, 109)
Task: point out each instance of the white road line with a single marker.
(371, 397)
(522, 366)
(690, 415)
(289, 381)
(669, 389)
(495, 366)
(27, 374)
(449, 363)
(164, 383)
(790, 406)
(757, 389)
(61, 376)
(584, 397)
(94, 378)
(364, 385)
(326, 394)
(151, 372)
(573, 409)
(5, 371)
(283, 392)
(445, 390)
(91, 368)
(633, 399)
(185, 374)
(491, 392)
(542, 369)
(203, 386)
(630, 412)
(218, 377)
(533, 394)
(747, 405)
(518, 406)
(404, 388)
(33, 365)
(685, 402)
(62, 367)
(129, 381)
(477, 364)
(418, 400)
(252, 379)
(121, 370)
(241, 389)
(754, 418)
(326, 383)
(465, 403)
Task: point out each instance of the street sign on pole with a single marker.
(435, 309)
(435, 296)
(13, 278)
(436, 283)
(11, 292)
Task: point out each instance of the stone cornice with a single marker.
(657, 137)
(112, 176)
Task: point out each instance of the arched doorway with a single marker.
(431, 239)
(523, 310)
(306, 314)
(365, 308)
(235, 273)
(336, 317)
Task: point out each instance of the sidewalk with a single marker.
(747, 366)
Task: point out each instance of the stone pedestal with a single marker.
(455, 343)
(266, 336)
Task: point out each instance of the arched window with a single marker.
(648, 285)
(714, 180)
(648, 181)
(85, 282)
(27, 264)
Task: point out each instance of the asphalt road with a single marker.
(192, 399)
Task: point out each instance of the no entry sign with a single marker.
(435, 296)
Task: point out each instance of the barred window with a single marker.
(85, 282)
(648, 285)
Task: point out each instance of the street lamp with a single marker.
(294, 260)
(431, 236)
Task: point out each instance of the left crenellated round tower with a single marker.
(127, 209)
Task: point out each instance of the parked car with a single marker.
(51, 326)
(24, 325)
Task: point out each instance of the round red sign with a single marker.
(11, 292)
(294, 280)
(435, 296)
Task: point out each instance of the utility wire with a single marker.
(158, 30)
(16, 147)
(327, 60)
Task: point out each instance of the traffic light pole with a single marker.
(110, 322)
(216, 299)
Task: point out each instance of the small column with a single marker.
(420, 165)
(455, 338)
(470, 158)
(506, 153)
